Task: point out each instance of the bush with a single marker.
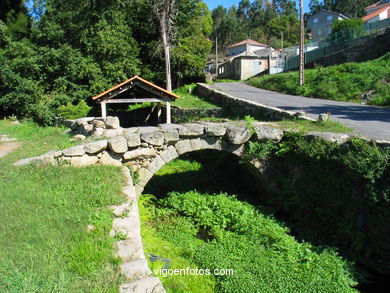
(332, 194)
(74, 111)
(237, 236)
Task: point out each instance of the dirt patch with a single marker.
(8, 147)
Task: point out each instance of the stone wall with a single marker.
(242, 107)
(146, 149)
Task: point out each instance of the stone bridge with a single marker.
(145, 150)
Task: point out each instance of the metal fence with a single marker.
(334, 43)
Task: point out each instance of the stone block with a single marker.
(112, 122)
(109, 133)
(183, 146)
(99, 123)
(118, 145)
(145, 285)
(83, 121)
(144, 177)
(135, 270)
(155, 138)
(74, 151)
(156, 164)
(238, 134)
(169, 154)
(83, 161)
(110, 159)
(339, 138)
(171, 136)
(133, 140)
(141, 153)
(192, 129)
(95, 147)
(265, 133)
(215, 129)
(130, 249)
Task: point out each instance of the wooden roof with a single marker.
(132, 82)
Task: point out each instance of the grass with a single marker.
(189, 100)
(345, 82)
(308, 126)
(156, 244)
(45, 212)
(199, 230)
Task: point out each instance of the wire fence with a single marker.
(334, 43)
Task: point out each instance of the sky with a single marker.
(228, 3)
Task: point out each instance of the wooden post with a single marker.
(104, 109)
(302, 48)
(168, 113)
(158, 113)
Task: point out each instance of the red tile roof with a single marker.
(368, 17)
(130, 80)
(377, 5)
(247, 41)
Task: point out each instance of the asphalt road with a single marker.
(368, 121)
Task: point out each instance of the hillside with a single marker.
(366, 82)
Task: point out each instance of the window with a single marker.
(319, 32)
(315, 20)
(329, 18)
(329, 30)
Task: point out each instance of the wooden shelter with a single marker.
(136, 90)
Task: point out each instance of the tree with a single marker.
(166, 11)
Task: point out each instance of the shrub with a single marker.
(74, 111)
(237, 236)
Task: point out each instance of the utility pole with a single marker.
(216, 56)
(302, 48)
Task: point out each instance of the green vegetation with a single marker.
(74, 111)
(307, 126)
(209, 229)
(45, 242)
(332, 194)
(68, 51)
(219, 232)
(347, 29)
(346, 82)
(188, 99)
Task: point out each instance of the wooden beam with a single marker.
(132, 101)
(118, 91)
(155, 92)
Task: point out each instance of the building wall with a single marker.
(381, 16)
(321, 23)
(242, 68)
(243, 48)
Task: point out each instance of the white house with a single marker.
(381, 13)
(248, 46)
(377, 6)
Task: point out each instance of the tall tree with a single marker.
(166, 12)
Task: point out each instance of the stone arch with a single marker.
(180, 148)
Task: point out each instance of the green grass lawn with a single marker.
(307, 126)
(44, 215)
(188, 99)
(345, 82)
